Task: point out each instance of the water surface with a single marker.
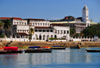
(68, 58)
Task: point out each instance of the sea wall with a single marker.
(40, 43)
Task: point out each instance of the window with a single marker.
(61, 32)
(51, 30)
(55, 31)
(33, 24)
(64, 32)
(67, 32)
(43, 30)
(40, 30)
(47, 30)
(43, 24)
(35, 30)
(58, 31)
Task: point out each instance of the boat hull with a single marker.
(8, 52)
(58, 48)
(93, 50)
(38, 51)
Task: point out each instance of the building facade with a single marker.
(79, 23)
(42, 29)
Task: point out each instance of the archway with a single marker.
(43, 37)
(40, 37)
(55, 36)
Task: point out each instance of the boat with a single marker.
(38, 50)
(8, 50)
(75, 47)
(93, 50)
(57, 47)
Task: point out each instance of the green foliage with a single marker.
(52, 38)
(76, 35)
(91, 31)
(72, 32)
(1, 36)
(7, 24)
(1, 24)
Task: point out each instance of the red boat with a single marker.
(8, 50)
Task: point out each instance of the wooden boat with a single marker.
(75, 47)
(39, 50)
(9, 52)
(93, 50)
(58, 47)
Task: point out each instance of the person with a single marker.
(8, 43)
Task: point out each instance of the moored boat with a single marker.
(93, 50)
(57, 47)
(75, 47)
(38, 50)
(8, 50)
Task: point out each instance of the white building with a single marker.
(42, 29)
(79, 23)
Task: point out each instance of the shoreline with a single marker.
(65, 44)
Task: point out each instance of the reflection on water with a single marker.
(9, 59)
(67, 56)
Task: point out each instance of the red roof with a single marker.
(16, 18)
(10, 18)
(23, 34)
(43, 27)
(5, 18)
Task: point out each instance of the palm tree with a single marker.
(7, 26)
(31, 32)
(72, 31)
(1, 24)
(1, 28)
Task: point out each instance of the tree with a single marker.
(1, 29)
(7, 27)
(7, 24)
(1, 24)
(31, 32)
(72, 31)
(91, 31)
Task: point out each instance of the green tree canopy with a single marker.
(91, 31)
(72, 32)
(7, 24)
(1, 24)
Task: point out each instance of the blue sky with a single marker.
(49, 9)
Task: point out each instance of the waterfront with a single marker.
(69, 58)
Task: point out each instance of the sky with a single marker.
(49, 9)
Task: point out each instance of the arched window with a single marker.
(55, 36)
(51, 36)
(43, 37)
(64, 32)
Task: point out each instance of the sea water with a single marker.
(68, 58)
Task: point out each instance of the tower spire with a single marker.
(85, 15)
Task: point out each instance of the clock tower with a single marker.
(85, 16)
